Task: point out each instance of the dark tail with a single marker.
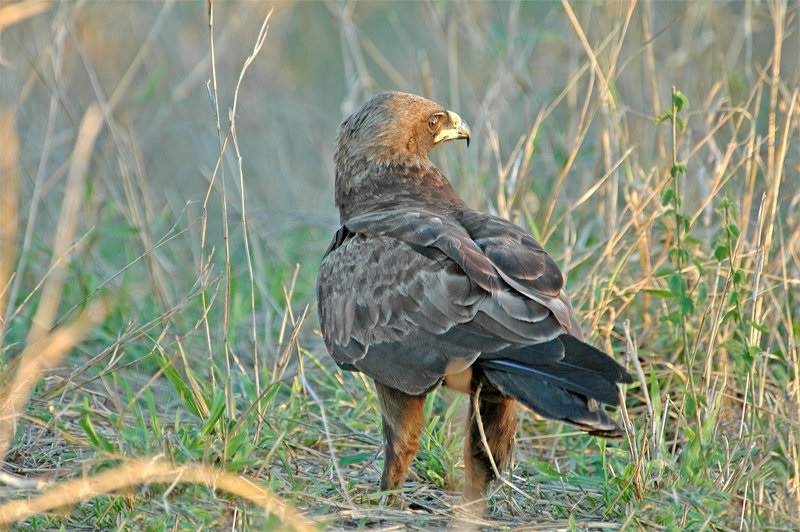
(568, 389)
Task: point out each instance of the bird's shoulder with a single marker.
(490, 250)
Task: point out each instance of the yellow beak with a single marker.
(455, 129)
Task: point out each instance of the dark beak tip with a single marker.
(467, 142)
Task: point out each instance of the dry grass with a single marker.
(139, 472)
(39, 356)
(9, 179)
(167, 194)
(17, 12)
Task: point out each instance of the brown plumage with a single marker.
(417, 289)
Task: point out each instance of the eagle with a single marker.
(417, 290)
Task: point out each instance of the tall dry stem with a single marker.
(9, 199)
(16, 12)
(67, 224)
(262, 35)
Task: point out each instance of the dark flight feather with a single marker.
(555, 402)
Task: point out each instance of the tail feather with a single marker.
(568, 389)
(585, 356)
(552, 401)
(588, 383)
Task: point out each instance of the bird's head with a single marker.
(382, 152)
(393, 126)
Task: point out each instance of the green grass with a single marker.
(683, 263)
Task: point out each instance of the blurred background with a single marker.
(570, 138)
(498, 64)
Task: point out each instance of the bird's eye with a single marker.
(433, 121)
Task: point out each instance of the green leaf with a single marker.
(184, 392)
(731, 315)
(734, 346)
(687, 305)
(673, 318)
(658, 292)
(663, 117)
(679, 101)
(676, 284)
(356, 458)
(217, 408)
(96, 439)
(677, 169)
(690, 404)
(702, 293)
(722, 252)
(679, 254)
(546, 468)
(667, 196)
(664, 272)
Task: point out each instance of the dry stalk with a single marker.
(146, 471)
(476, 411)
(774, 162)
(576, 25)
(262, 36)
(231, 404)
(19, 11)
(45, 147)
(67, 223)
(9, 184)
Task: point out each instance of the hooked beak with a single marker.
(456, 129)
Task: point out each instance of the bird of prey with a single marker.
(417, 289)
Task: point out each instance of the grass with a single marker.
(161, 366)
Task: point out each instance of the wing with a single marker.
(407, 296)
(522, 263)
(493, 252)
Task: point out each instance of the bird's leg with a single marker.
(498, 417)
(403, 422)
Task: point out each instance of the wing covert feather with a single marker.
(415, 287)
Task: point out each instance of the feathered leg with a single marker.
(403, 422)
(498, 416)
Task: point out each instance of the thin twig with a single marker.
(262, 36)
